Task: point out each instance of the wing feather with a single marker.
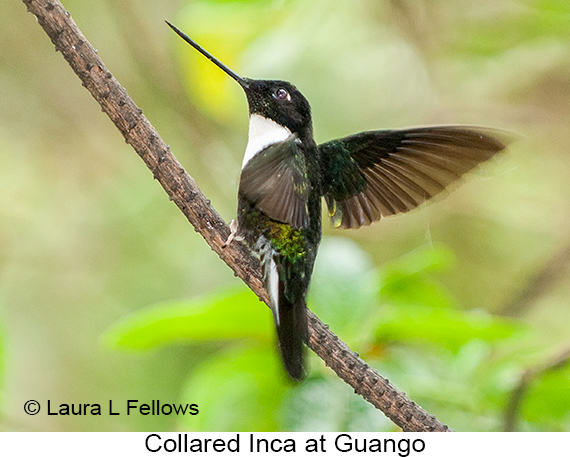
(274, 180)
(378, 173)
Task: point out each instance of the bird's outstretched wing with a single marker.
(275, 181)
(373, 174)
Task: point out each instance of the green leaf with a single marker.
(442, 326)
(239, 389)
(407, 280)
(548, 399)
(227, 315)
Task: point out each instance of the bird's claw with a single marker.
(233, 233)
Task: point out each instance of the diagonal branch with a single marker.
(184, 192)
(527, 377)
(539, 283)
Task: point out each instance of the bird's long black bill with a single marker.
(242, 82)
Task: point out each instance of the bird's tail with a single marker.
(292, 334)
(289, 312)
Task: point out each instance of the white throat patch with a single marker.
(262, 133)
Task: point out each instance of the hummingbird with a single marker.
(362, 178)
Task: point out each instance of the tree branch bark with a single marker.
(184, 192)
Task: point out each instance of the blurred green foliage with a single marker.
(210, 318)
(106, 293)
(2, 364)
(458, 362)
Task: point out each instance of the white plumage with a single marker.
(263, 132)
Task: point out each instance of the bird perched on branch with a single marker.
(362, 177)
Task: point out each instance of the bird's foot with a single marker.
(233, 233)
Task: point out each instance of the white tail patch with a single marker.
(262, 133)
(270, 274)
(273, 288)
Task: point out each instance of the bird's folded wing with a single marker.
(275, 181)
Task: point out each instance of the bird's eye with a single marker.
(282, 94)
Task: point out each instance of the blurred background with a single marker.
(107, 293)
